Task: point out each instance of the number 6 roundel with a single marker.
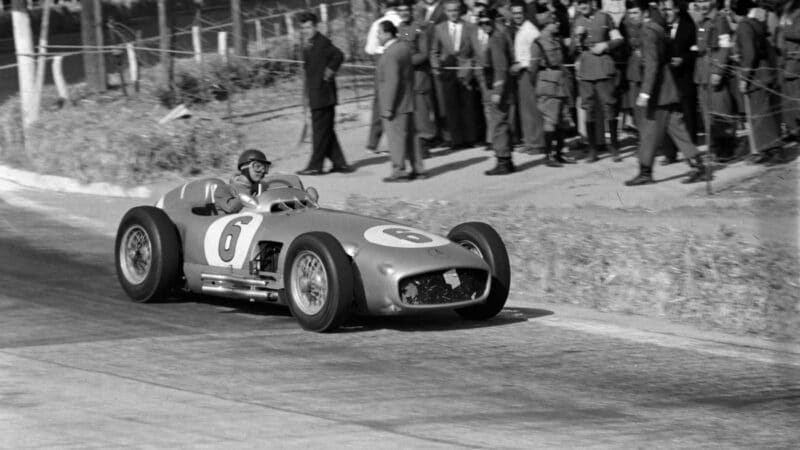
(227, 240)
(403, 237)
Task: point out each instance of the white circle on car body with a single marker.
(401, 236)
(227, 240)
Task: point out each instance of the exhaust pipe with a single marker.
(237, 280)
(250, 294)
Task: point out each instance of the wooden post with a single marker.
(133, 63)
(23, 45)
(58, 78)
(42, 60)
(100, 42)
(222, 45)
(289, 25)
(197, 44)
(276, 28)
(259, 37)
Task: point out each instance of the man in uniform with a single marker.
(758, 80)
(659, 95)
(633, 67)
(714, 46)
(415, 35)
(789, 46)
(495, 59)
(552, 87)
(594, 35)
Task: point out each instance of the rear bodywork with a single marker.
(397, 268)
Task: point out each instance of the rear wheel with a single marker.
(147, 254)
(483, 240)
(319, 282)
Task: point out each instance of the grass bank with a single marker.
(716, 280)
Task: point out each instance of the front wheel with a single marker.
(483, 240)
(319, 282)
(147, 254)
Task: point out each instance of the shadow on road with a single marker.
(439, 321)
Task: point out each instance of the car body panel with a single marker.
(383, 252)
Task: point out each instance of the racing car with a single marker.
(324, 264)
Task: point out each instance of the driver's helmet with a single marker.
(251, 155)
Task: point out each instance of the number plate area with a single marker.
(443, 287)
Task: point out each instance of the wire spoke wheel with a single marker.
(309, 282)
(137, 254)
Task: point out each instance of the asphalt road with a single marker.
(82, 367)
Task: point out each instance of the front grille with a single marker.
(443, 287)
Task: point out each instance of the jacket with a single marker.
(319, 55)
(395, 77)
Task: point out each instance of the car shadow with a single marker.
(438, 321)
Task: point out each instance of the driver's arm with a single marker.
(226, 199)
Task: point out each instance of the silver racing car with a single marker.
(324, 264)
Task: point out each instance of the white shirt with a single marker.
(673, 30)
(526, 34)
(429, 10)
(373, 46)
(454, 28)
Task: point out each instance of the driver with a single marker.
(253, 165)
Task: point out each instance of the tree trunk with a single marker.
(239, 40)
(93, 66)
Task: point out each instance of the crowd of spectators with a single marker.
(527, 75)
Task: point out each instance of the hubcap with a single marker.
(136, 254)
(309, 283)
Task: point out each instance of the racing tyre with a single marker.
(319, 282)
(147, 254)
(483, 240)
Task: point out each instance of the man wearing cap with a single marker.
(552, 87)
(414, 34)
(253, 165)
(494, 56)
(593, 37)
(322, 60)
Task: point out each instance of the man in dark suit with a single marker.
(395, 76)
(682, 37)
(322, 60)
(451, 47)
(659, 94)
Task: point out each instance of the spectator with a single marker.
(758, 80)
(529, 115)
(373, 48)
(682, 37)
(322, 60)
(711, 74)
(552, 87)
(395, 75)
(415, 35)
(451, 60)
(660, 96)
(494, 57)
(789, 46)
(632, 25)
(594, 36)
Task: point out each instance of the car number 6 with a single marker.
(227, 241)
(402, 237)
(230, 234)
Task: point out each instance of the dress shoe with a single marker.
(697, 175)
(310, 172)
(502, 168)
(419, 176)
(760, 158)
(667, 161)
(564, 159)
(638, 180)
(397, 178)
(550, 161)
(342, 169)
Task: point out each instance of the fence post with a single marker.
(289, 25)
(259, 37)
(23, 45)
(222, 45)
(133, 64)
(197, 44)
(276, 27)
(41, 62)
